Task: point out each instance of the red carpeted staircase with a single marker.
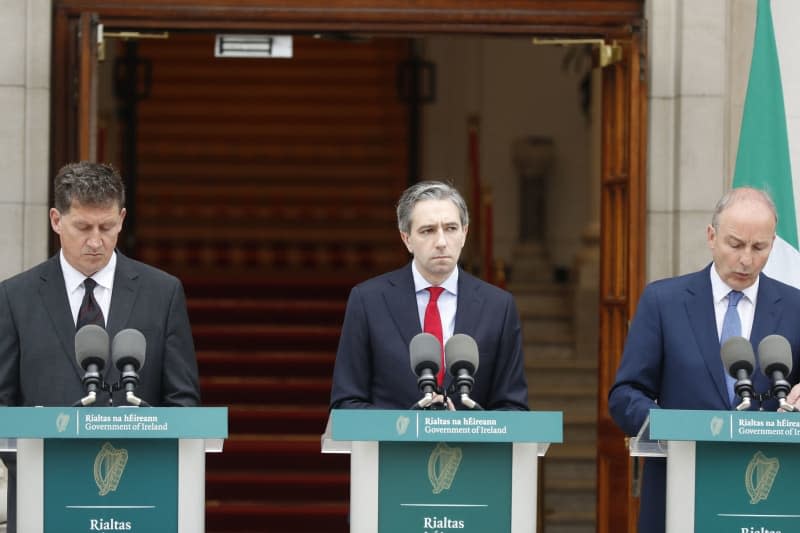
(266, 349)
(267, 187)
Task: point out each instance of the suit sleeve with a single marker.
(180, 383)
(353, 368)
(9, 352)
(638, 382)
(509, 389)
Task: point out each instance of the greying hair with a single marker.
(741, 193)
(428, 190)
(93, 184)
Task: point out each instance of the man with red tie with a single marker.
(429, 294)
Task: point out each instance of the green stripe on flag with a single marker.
(763, 160)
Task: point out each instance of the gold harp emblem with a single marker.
(442, 466)
(109, 464)
(760, 475)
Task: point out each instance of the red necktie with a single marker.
(433, 325)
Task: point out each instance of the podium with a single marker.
(111, 469)
(726, 470)
(437, 471)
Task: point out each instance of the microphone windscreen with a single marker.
(91, 346)
(461, 351)
(737, 353)
(128, 347)
(425, 351)
(775, 353)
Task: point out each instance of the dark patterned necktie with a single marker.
(90, 312)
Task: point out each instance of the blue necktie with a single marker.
(731, 327)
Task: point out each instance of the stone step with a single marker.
(545, 327)
(570, 501)
(543, 303)
(585, 406)
(565, 469)
(583, 522)
(548, 338)
(555, 484)
(547, 352)
(562, 395)
(572, 376)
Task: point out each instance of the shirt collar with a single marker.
(420, 283)
(720, 289)
(74, 279)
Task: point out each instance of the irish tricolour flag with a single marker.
(763, 160)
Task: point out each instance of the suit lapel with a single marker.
(469, 304)
(123, 295)
(401, 301)
(53, 294)
(765, 322)
(768, 311)
(700, 309)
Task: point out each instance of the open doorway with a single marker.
(621, 181)
(288, 168)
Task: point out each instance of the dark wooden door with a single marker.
(621, 269)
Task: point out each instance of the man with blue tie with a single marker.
(430, 294)
(672, 357)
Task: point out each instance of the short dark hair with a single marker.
(94, 184)
(428, 190)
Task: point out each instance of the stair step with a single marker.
(276, 452)
(244, 418)
(259, 285)
(560, 484)
(571, 452)
(225, 485)
(252, 213)
(536, 328)
(265, 363)
(277, 311)
(573, 518)
(257, 516)
(227, 390)
(251, 233)
(545, 352)
(266, 336)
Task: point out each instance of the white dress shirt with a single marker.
(73, 281)
(446, 303)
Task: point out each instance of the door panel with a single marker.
(621, 268)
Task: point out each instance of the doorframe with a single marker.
(623, 198)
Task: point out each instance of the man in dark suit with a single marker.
(672, 357)
(384, 313)
(40, 308)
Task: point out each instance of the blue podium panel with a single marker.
(430, 487)
(729, 470)
(92, 469)
(746, 487)
(111, 485)
(442, 471)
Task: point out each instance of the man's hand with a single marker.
(793, 398)
(438, 399)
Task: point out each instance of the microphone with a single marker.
(91, 352)
(737, 355)
(425, 354)
(775, 356)
(461, 358)
(128, 352)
